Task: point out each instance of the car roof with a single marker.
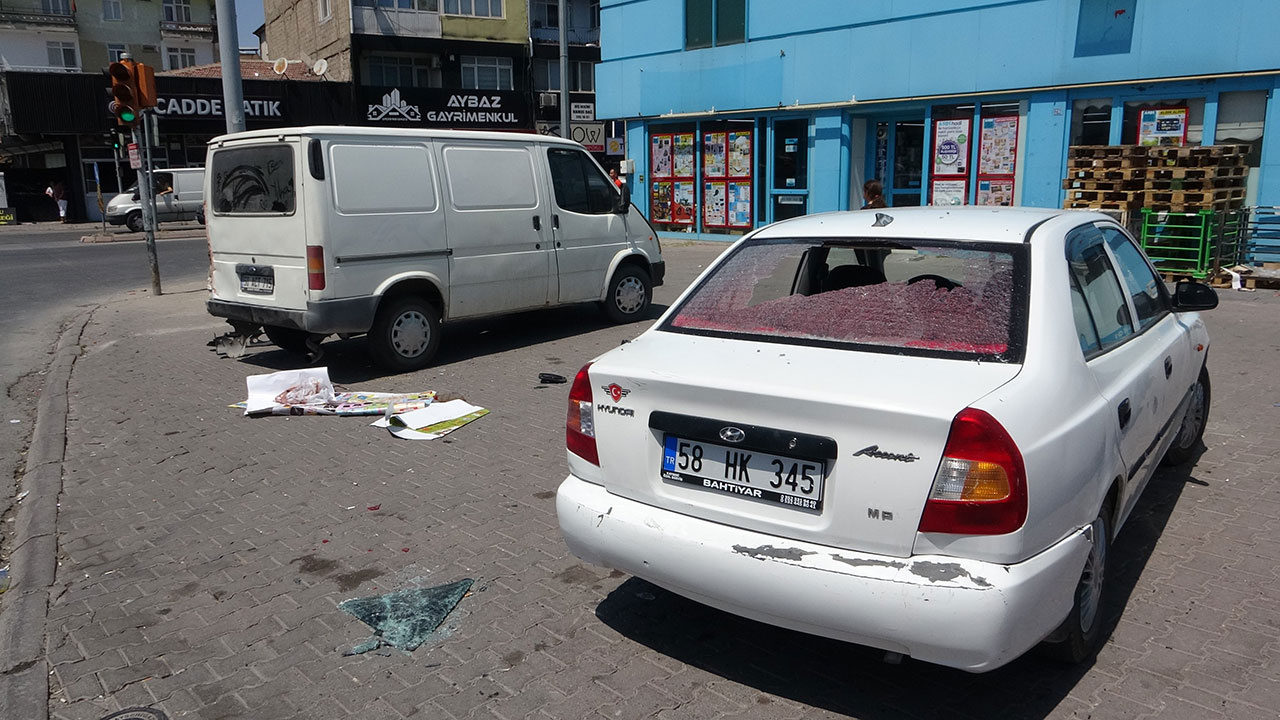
(360, 131)
(979, 224)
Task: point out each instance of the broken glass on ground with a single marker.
(404, 619)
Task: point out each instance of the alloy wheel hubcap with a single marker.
(630, 295)
(410, 333)
(1090, 589)
(1195, 417)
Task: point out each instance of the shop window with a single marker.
(403, 71)
(951, 148)
(709, 23)
(1164, 122)
(112, 10)
(1240, 118)
(1091, 122)
(791, 154)
(475, 8)
(486, 73)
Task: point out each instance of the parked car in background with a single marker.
(179, 196)
(916, 429)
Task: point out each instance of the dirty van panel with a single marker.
(387, 218)
(500, 232)
(255, 220)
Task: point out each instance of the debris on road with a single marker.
(310, 392)
(433, 421)
(552, 379)
(404, 619)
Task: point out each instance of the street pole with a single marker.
(146, 193)
(229, 54)
(563, 14)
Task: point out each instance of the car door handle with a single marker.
(537, 223)
(1168, 367)
(1123, 412)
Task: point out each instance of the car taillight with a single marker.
(981, 485)
(315, 267)
(580, 429)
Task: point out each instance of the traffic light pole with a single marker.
(146, 197)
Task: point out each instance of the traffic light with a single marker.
(125, 104)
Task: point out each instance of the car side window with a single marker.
(1099, 287)
(1085, 330)
(1145, 287)
(579, 185)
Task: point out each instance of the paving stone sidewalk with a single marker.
(203, 554)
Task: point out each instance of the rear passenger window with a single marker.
(579, 185)
(490, 178)
(371, 179)
(1095, 280)
(1145, 287)
(254, 180)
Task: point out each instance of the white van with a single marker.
(179, 196)
(342, 230)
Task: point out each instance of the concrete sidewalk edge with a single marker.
(24, 676)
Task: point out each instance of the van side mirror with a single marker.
(135, 197)
(623, 205)
(1189, 295)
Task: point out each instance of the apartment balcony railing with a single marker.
(395, 22)
(10, 67)
(186, 28)
(575, 36)
(36, 17)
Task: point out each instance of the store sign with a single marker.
(8, 216)
(951, 147)
(433, 107)
(193, 107)
(1163, 126)
(135, 157)
(582, 112)
(589, 135)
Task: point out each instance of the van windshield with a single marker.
(253, 181)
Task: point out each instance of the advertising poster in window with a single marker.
(998, 145)
(661, 202)
(740, 154)
(713, 204)
(1163, 126)
(660, 163)
(951, 147)
(683, 155)
(740, 204)
(682, 202)
(995, 191)
(713, 161)
(949, 192)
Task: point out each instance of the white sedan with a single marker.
(915, 429)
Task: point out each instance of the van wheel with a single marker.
(1191, 433)
(629, 294)
(405, 334)
(288, 339)
(134, 221)
(1080, 635)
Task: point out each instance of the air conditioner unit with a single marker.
(548, 100)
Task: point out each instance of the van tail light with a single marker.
(580, 429)
(981, 485)
(315, 267)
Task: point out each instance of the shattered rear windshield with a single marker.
(253, 180)
(933, 298)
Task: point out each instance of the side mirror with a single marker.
(1189, 295)
(624, 199)
(135, 197)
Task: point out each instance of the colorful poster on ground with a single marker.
(683, 155)
(713, 161)
(740, 154)
(949, 192)
(682, 207)
(660, 207)
(740, 204)
(998, 145)
(661, 156)
(713, 204)
(995, 192)
(1163, 126)
(951, 147)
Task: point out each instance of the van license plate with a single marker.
(257, 284)
(773, 479)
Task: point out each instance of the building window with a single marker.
(486, 73)
(595, 14)
(546, 75)
(584, 77)
(477, 8)
(56, 7)
(62, 55)
(111, 10)
(116, 51)
(402, 71)
(181, 58)
(177, 11)
(711, 23)
(546, 14)
(422, 5)
(324, 10)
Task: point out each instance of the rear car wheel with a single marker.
(133, 221)
(1191, 433)
(630, 292)
(289, 339)
(405, 334)
(1080, 635)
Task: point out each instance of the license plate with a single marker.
(764, 477)
(258, 284)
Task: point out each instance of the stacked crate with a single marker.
(1160, 178)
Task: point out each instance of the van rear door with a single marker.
(257, 234)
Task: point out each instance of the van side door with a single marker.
(588, 233)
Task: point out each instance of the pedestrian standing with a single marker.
(58, 192)
(873, 195)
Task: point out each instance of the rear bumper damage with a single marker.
(354, 315)
(966, 614)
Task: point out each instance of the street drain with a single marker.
(137, 714)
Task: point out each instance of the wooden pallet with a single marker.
(1099, 205)
(1107, 151)
(1109, 163)
(1070, 184)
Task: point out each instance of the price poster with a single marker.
(951, 147)
(661, 156)
(713, 204)
(661, 207)
(740, 204)
(1163, 126)
(713, 160)
(995, 192)
(998, 145)
(682, 207)
(949, 192)
(740, 154)
(684, 156)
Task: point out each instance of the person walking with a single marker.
(58, 192)
(873, 195)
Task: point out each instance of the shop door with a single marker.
(789, 186)
(897, 160)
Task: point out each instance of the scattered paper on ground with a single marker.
(435, 420)
(404, 619)
(309, 392)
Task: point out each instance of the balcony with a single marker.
(575, 36)
(186, 28)
(37, 17)
(394, 22)
(10, 67)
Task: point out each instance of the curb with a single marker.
(24, 675)
(139, 237)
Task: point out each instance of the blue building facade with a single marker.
(744, 112)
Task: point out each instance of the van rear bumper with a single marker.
(351, 315)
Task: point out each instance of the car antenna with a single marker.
(882, 220)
